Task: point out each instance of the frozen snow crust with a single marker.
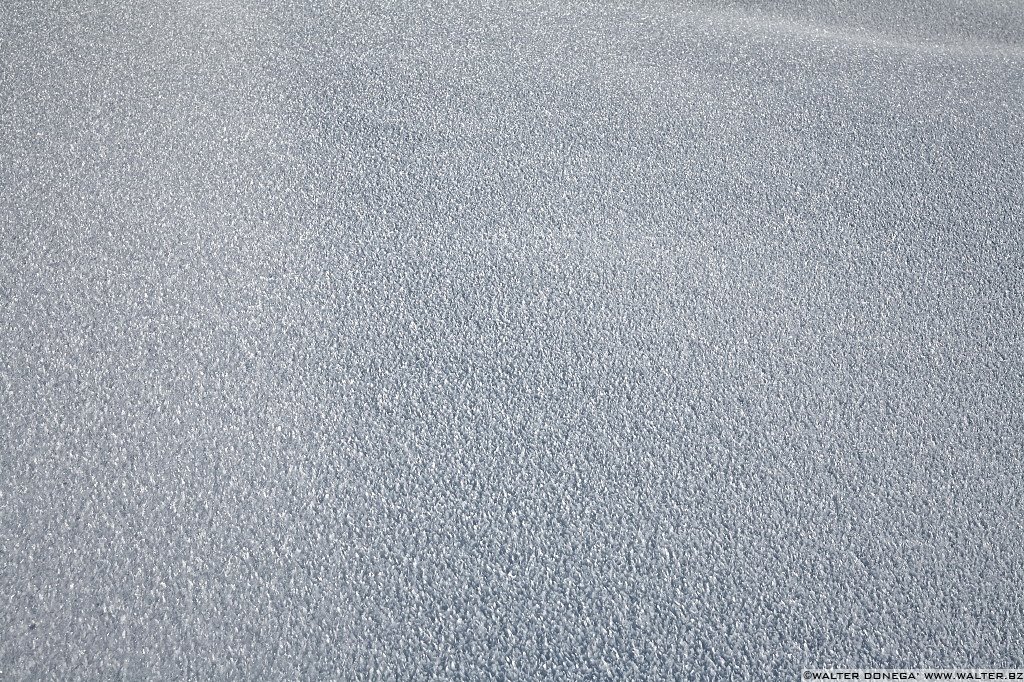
(530, 340)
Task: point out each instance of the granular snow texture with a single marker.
(539, 340)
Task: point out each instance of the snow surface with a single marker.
(510, 340)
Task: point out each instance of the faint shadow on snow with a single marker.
(773, 27)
